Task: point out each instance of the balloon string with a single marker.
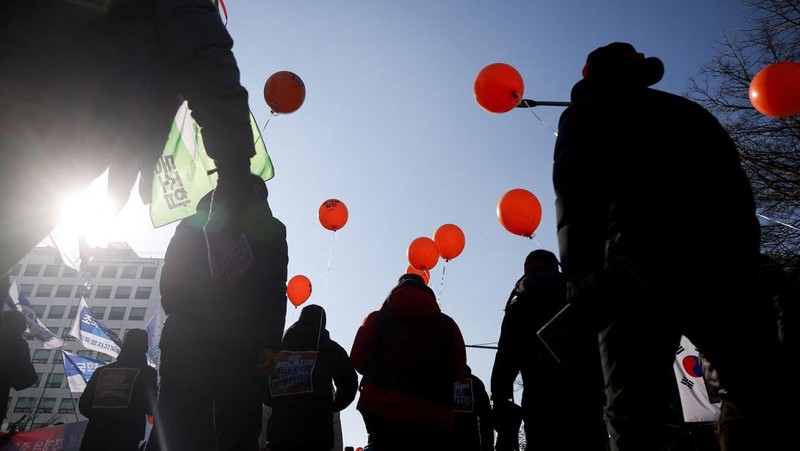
(441, 283)
(330, 257)
(543, 122)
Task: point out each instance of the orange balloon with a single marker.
(775, 90)
(450, 239)
(424, 273)
(298, 290)
(498, 88)
(333, 214)
(284, 92)
(423, 253)
(520, 212)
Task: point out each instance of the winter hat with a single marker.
(541, 260)
(313, 314)
(136, 341)
(619, 61)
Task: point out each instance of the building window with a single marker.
(46, 405)
(143, 292)
(67, 406)
(102, 292)
(28, 336)
(99, 311)
(123, 293)
(94, 269)
(44, 290)
(39, 310)
(73, 311)
(129, 272)
(58, 358)
(51, 270)
(40, 356)
(110, 272)
(83, 291)
(117, 313)
(15, 270)
(149, 272)
(104, 357)
(27, 288)
(69, 272)
(23, 405)
(32, 270)
(85, 353)
(57, 311)
(54, 380)
(66, 335)
(137, 313)
(64, 291)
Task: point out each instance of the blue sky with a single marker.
(390, 126)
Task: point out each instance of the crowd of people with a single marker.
(623, 152)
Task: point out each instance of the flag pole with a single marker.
(528, 103)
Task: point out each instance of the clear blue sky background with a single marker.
(390, 126)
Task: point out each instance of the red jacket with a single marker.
(410, 354)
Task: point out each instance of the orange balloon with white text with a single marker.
(333, 214)
(298, 289)
(451, 240)
(423, 253)
(424, 273)
(284, 92)
(519, 212)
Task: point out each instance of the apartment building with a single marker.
(123, 294)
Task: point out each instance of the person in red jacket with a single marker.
(410, 354)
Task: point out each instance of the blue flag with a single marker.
(79, 370)
(35, 325)
(93, 334)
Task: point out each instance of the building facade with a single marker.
(123, 293)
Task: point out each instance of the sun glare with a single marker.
(89, 213)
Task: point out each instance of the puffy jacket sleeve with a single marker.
(364, 344)
(18, 371)
(507, 358)
(201, 51)
(459, 352)
(86, 401)
(344, 377)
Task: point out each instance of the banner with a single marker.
(79, 370)
(181, 175)
(154, 327)
(93, 334)
(697, 401)
(35, 325)
(62, 437)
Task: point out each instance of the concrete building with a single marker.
(124, 294)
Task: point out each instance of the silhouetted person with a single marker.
(219, 341)
(313, 380)
(651, 197)
(16, 369)
(473, 429)
(410, 354)
(557, 399)
(107, 77)
(118, 397)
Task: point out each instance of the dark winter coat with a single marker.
(111, 427)
(410, 354)
(16, 369)
(303, 407)
(251, 312)
(628, 183)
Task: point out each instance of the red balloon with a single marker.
(424, 273)
(775, 90)
(284, 92)
(298, 290)
(423, 253)
(519, 212)
(333, 214)
(498, 88)
(450, 239)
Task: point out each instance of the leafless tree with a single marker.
(769, 147)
